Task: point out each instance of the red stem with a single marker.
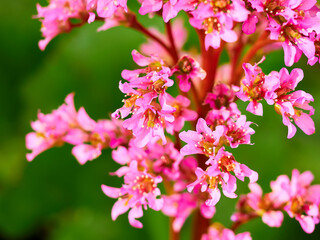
(133, 23)
(260, 43)
(174, 51)
(200, 225)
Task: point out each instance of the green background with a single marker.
(54, 197)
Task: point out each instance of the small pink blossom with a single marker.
(201, 141)
(140, 190)
(224, 234)
(188, 69)
(181, 114)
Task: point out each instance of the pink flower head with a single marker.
(209, 181)
(181, 113)
(256, 87)
(202, 141)
(74, 127)
(145, 85)
(219, 173)
(107, 8)
(166, 160)
(51, 129)
(254, 204)
(294, 105)
(169, 8)
(149, 123)
(179, 206)
(219, 233)
(217, 25)
(304, 200)
(222, 95)
(55, 18)
(186, 70)
(295, 37)
(239, 131)
(146, 89)
(216, 19)
(140, 190)
(116, 19)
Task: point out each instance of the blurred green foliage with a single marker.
(54, 197)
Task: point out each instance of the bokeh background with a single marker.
(56, 198)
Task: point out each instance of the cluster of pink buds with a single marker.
(180, 121)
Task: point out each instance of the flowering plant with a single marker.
(175, 150)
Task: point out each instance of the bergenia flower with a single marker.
(218, 233)
(140, 190)
(255, 87)
(188, 69)
(181, 114)
(202, 141)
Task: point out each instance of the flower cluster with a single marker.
(66, 125)
(221, 163)
(177, 96)
(278, 89)
(297, 197)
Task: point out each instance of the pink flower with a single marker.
(166, 160)
(222, 95)
(256, 87)
(107, 8)
(188, 69)
(238, 131)
(291, 105)
(170, 8)
(216, 19)
(181, 113)
(146, 89)
(140, 190)
(67, 125)
(224, 234)
(203, 141)
(254, 204)
(304, 200)
(219, 173)
(55, 18)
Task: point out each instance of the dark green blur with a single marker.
(54, 197)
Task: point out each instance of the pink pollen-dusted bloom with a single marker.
(239, 131)
(255, 87)
(294, 105)
(254, 204)
(202, 141)
(181, 113)
(55, 18)
(303, 204)
(209, 181)
(67, 125)
(140, 190)
(188, 69)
